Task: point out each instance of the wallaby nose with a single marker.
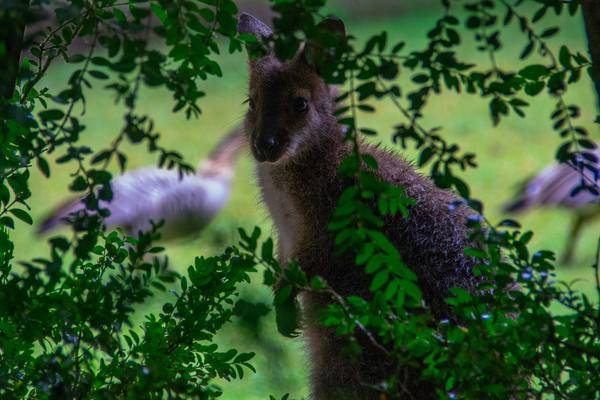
(267, 147)
(269, 143)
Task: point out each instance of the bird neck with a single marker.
(216, 170)
(228, 149)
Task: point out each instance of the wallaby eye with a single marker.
(250, 102)
(300, 104)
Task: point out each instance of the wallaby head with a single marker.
(290, 107)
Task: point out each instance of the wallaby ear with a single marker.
(332, 25)
(329, 33)
(250, 24)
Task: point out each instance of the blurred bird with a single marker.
(553, 187)
(185, 203)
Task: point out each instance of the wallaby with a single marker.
(298, 145)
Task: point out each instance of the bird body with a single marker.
(554, 186)
(186, 203)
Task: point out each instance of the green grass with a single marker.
(506, 154)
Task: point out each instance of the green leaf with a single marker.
(426, 155)
(527, 50)
(51, 115)
(549, 32)
(534, 72)
(283, 294)
(7, 222)
(22, 215)
(287, 318)
(564, 57)
(366, 108)
(368, 132)
(474, 252)
(411, 289)
(380, 279)
(370, 161)
(420, 78)
(317, 283)
(78, 184)
(384, 243)
(397, 47)
(120, 15)
(98, 74)
(160, 12)
(243, 357)
(534, 88)
(43, 166)
(267, 250)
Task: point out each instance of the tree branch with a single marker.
(591, 16)
(13, 18)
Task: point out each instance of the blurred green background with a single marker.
(507, 154)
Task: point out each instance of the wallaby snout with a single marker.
(268, 135)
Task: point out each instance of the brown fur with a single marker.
(301, 188)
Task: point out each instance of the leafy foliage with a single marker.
(69, 333)
(66, 322)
